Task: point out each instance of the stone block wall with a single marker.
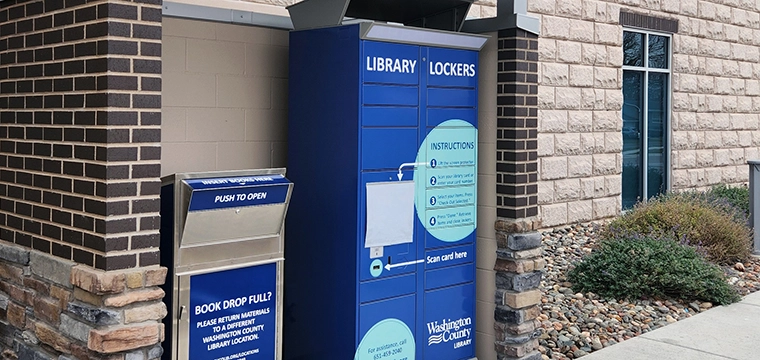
(51, 308)
(519, 265)
(715, 99)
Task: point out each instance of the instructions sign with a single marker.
(233, 314)
(446, 186)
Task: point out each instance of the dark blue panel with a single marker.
(452, 97)
(373, 314)
(236, 181)
(390, 116)
(233, 313)
(391, 63)
(435, 116)
(450, 275)
(447, 67)
(450, 323)
(388, 148)
(323, 164)
(391, 95)
(167, 260)
(374, 290)
(449, 257)
(237, 197)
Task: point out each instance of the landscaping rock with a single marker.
(574, 324)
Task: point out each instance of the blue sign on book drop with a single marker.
(221, 193)
(233, 314)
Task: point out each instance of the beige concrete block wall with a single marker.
(715, 99)
(486, 236)
(224, 96)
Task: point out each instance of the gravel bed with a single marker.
(575, 324)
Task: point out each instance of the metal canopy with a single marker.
(431, 14)
(510, 14)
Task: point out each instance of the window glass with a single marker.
(633, 115)
(658, 52)
(646, 113)
(656, 130)
(633, 49)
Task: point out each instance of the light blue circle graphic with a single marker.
(389, 339)
(446, 188)
(376, 268)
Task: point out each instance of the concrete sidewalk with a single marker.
(726, 332)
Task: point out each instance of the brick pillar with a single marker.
(517, 125)
(79, 179)
(519, 255)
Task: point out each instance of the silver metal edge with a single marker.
(242, 17)
(230, 173)
(183, 326)
(231, 266)
(228, 263)
(280, 308)
(366, 27)
(176, 323)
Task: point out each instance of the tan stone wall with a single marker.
(53, 308)
(715, 99)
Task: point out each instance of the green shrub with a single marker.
(737, 196)
(650, 266)
(710, 225)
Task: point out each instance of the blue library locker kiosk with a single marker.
(380, 235)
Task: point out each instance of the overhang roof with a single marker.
(432, 14)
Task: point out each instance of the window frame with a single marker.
(668, 118)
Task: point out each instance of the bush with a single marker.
(736, 196)
(696, 219)
(651, 266)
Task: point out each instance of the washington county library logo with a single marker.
(447, 330)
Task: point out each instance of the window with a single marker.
(646, 115)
